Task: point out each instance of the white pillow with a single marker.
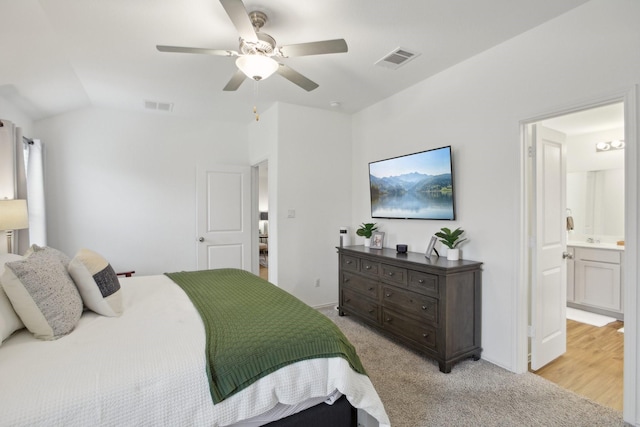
(97, 282)
(9, 320)
(43, 295)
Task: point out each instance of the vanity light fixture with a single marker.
(616, 144)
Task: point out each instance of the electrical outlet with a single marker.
(317, 283)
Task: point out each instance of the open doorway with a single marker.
(263, 219)
(593, 251)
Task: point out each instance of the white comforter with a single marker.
(147, 367)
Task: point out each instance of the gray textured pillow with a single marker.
(9, 320)
(46, 250)
(43, 294)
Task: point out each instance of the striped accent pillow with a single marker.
(97, 282)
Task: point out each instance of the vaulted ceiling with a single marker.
(61, 55)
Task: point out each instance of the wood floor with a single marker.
(593, 364)
(264, 273)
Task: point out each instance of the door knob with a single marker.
(567, 255)
(201, 239)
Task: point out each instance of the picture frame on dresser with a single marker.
(431, 247)
(377, 240)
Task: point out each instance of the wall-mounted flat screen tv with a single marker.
(415, 186)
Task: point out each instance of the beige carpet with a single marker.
(415, 393)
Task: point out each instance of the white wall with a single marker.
(313, 179)
(477, 107)
(123, 184)
(582, 155)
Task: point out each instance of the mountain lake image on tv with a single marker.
(415, 186)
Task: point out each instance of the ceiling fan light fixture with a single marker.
(257, 67)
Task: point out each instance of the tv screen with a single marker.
(415, 186)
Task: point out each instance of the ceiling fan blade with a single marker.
(315, 48)
(295, 77)
(236, 81)
(178, 49)
(240, 18)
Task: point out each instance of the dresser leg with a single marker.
(445, 367)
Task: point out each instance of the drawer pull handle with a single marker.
(388, 319)
(371, 310)
(388, 295)
(425, 307)
(368, 267)
(370, 288)
(349, 262)
(345, 280)
(347, 300)
(425, 335)
(421, 281)
(391, 273)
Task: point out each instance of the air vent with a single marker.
(159, 106)
(397, 58)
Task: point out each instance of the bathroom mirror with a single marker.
(595, 200)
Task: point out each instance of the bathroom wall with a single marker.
(595, 187)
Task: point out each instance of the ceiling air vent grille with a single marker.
(397, 58)
(159, 106)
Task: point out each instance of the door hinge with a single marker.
(531, 152)
(531, 331)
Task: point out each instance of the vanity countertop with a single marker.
(594, 245)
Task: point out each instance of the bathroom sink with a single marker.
(599, 245)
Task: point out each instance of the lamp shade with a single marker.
(257, 67)
(13, 215)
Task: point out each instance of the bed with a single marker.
(151, 364)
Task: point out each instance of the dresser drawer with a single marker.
(421, 333)
(393, 274)
(424, 283)
(363, 307)
(349, 263)
(411, 303)
(360, 284)
(370, 268)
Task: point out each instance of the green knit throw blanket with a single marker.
(254, 328)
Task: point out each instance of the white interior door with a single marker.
(549, 275)
(224, 217)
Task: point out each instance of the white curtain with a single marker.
(31, 187)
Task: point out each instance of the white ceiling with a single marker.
(596, 119)
(61, 55)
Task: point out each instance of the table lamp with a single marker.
(13, 216)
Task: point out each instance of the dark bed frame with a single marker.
(340, 414)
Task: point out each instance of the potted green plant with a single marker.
(365, 231)
(451, 239)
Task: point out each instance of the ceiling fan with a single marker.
(257, 50)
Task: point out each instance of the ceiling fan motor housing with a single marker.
(265, 45)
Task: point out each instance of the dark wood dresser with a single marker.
(431, 305)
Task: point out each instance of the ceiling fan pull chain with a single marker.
(255, 97)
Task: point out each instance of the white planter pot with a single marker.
(453, 254)
(367, 242)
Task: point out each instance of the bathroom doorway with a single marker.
(595, 157)
(263, 219)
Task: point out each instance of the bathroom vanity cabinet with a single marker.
(594, 280)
